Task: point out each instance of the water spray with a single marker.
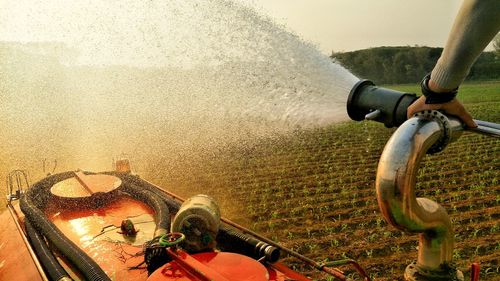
(426, 132)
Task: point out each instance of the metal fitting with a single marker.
(395, 184)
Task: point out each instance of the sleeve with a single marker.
(477, 22)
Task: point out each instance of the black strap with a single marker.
(432, 97)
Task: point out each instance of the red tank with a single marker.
(109, 219)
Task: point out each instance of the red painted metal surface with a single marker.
(82, 226)
(210, 266)
(16, 262)
(474, 272)
(89, 226)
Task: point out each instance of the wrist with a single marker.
(435, 95)
(433, 86)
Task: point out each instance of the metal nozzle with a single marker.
(373, 115)
(367, 101)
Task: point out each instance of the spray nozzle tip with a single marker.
(373, 115)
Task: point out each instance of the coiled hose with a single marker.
(88, 267)
(54, 270)
(172, 204)
(227, 238)
(161, 209)
(36, 198)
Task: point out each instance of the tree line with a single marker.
(398, 65)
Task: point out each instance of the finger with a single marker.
(467, 119)
(456, 108)
(410, 111)
(415, 107)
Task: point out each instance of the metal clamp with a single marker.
(443, 122)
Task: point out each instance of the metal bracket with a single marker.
(17, 183)
(444, 122)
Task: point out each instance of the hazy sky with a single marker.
(345, 25)
(338, 25)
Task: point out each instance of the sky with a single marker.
(332, 25)
(347, 25)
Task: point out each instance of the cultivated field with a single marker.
(313, 191)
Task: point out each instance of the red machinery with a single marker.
(117, 226)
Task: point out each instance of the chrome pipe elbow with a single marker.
(427, 132)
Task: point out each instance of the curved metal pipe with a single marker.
(395, 184)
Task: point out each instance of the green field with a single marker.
(313, 191)
(471, 94)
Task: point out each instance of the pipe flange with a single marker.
(444, 123)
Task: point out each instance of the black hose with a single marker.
(172, 204)
(227, 238)
(40, 193)
(151, 199)
(234, 241)
(36, 199)
(54, 270)
(87, 266)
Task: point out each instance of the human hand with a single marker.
(453, 107)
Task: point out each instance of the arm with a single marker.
(477, 22)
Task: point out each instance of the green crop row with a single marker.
(314, 191)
